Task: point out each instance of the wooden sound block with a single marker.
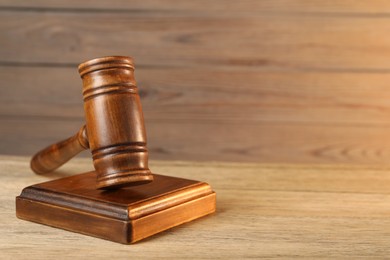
(124, 215)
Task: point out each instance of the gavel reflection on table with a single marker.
(121, 200)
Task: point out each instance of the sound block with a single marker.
(124, 215)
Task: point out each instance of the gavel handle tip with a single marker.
(55, 155)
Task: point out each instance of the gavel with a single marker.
(114, 130)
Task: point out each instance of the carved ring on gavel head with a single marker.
(114, 131)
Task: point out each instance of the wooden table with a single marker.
(262, 211)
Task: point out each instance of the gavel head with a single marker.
(114, 122)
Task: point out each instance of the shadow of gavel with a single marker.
(114, 130)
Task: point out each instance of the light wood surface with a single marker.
(263, 210)
(273, 81)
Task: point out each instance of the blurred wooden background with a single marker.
(265, 81)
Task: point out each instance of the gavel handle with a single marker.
(55, 155)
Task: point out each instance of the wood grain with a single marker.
(238, 95)
(270, 211)
(359, 7)
(124, 215)
(274, 81)
(273, 42)
(186, 140)
(55, 155)
(114, 122)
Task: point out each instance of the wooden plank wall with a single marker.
(293, 81)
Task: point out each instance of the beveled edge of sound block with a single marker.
(124, 215)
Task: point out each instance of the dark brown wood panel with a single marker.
(211, 95)
(175, 40)
(221, 141)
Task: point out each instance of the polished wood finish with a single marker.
(115, 134)
(270, 211)
(114, 122)
(124, 215)
(53, 156)
(114, 131)
(270, 68)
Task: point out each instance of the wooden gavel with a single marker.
(114, 130)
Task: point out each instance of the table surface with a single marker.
(262, 211)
